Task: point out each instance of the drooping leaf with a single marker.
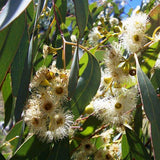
(60, 150)
(155, 135)
(8, 49)
(149, 98)
(17, 66)
(151, 106)
(87, 85)
(61, 10)
(7, 98)
(30, 149)
(148, 58)
(82, 12)
(73, 78)
(26, 75)
(138, 120)
(154, 20)
(126, 154)
(137, 148)
(11, 11)
(155, 79)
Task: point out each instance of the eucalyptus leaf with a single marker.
(137, 148)
(8, 49)
(7, 98)
(31, 148)
(11, 11)
(151, 106)
(73, 78)
(82, 12)
(87, 85)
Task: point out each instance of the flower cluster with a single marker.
(43, 112)
(133, 31)
(117, 93)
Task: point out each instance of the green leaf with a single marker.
(126, 155)
(153, 20)
(155, 135)
(137, 148)
(138, 120)
(149, 57)
(82, 12)
(17, 66)
(87, 86)
(155, 79)
(90, 125)
(60, 150)
(15, 132)
(151, 106)
(61, 7)
(11, 11)
(149, 98)
(29, 149)
(73, 78)
(8, 49)
(7, 98)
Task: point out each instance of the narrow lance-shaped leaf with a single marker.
(18, 63)
(8, 49)
(137, 148)
(151, 106)
(8, 98)
(14, 135)
(60, 150)
(126, 154)
(73, 74)
(23, 89)
(11, 11)
(88, 84)
(82, 12)
(30, 149)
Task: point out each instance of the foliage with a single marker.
(82, 83)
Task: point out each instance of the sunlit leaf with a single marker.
(126, 154)
(90, 125)
(148, 57)
(87, 86)
(155, 79)
(154, 20)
